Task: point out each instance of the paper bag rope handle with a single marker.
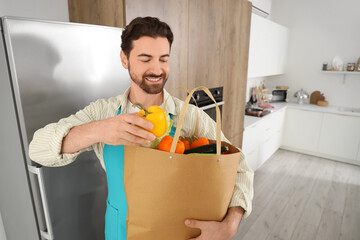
(196, 132)
(182, 116)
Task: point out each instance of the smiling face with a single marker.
(148, 63)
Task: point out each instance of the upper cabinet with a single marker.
(262, 5)
(268, 47)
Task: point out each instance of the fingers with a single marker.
(127, 143)
(139, 132)
(139, 121)
(136, 127)
(135, 140)
(127, 129)
(193, 223)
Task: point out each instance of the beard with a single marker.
(149, 88)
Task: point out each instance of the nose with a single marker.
(156, 68)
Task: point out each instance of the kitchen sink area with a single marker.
(350, 110)
(346, 111)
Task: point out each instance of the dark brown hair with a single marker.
(144, 26)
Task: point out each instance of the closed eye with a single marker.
(164, 59)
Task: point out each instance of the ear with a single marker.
(124, 60)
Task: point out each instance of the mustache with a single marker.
(151, 75)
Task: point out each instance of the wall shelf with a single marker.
(344, 73)
(341, 72)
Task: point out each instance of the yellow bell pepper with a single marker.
(156, 116)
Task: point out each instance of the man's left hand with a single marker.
(213, 230)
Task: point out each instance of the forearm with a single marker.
(234, 216)
(81, 137)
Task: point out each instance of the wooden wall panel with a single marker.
(99, 12)
(174, 13)
(219, 34)
(206, 43)
(237, 54)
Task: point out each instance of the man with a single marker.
(107, 124)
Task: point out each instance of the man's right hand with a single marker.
(126, 129)
(123, 129)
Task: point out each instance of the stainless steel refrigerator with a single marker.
(50, 70)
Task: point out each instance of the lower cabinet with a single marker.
(269, 146)
(252, 158)
(327, 135)
(340, 136)
(262, 139)
(302, 129)
(251, 143)
(266, 149)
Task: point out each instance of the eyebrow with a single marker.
(147, 55)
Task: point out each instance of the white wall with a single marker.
(320, 30)
(264, 5)
(40, 9)
(252, 82)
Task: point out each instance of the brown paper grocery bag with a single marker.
(165, 188)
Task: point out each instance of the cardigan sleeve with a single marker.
(45, 147)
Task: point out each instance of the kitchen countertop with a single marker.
(250, 120)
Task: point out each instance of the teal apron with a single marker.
(116, 207)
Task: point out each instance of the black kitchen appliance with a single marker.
(256, 111)
(279, 95)
(205, 103)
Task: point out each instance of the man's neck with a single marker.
(138, 95)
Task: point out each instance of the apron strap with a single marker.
(173, 129)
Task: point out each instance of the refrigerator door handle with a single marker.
(38, 171)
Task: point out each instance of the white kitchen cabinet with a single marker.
(251, 141)
(323, 134)
(269, 146)
(276, 121)
(266, 149)
(262, 139)
(273, 134)
(302, 129)
(252, 159)
(340, 136)
(268, 47)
